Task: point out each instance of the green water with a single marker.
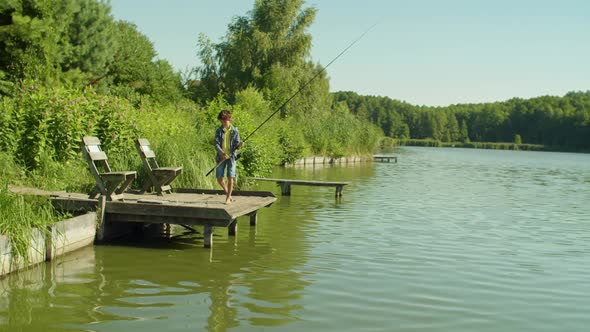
(444, 240)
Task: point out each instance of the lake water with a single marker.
(444, 240)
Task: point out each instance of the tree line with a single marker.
(559, 122)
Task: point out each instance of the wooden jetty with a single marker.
(186, 207)
(286, 184)
(384, 158)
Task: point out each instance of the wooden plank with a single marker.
(221, 192)
(97, 155)
(90, 140)
(119, 174)
(151, 201)
(112, 177)
(168, 210)
(207, 200)
(167, 169)
(143, 142)
(237, 210)
(74, 204)
(149, 154)
(34, 191)
(116, 217)
(384, 158)
(305, 182)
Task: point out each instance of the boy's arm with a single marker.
(218, 142)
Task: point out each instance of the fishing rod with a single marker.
(295, 94)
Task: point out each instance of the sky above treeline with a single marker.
(425, 52)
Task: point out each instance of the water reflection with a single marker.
(41, 296)
(166, 283)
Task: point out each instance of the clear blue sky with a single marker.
(426, 52)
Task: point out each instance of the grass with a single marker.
(20, 214)
(195, 162)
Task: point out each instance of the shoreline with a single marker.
(61, 238)
(484, 146)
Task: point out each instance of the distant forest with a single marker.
(560, 122)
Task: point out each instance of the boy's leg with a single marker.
(222, 184)
(230, 188)
(231, 173)
(219, 174)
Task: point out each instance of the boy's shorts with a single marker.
(228, 164)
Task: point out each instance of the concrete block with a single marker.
(72, 234)
(10, 261)
(63, 237)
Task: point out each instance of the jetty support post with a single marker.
(233, 227)
(208, 236)
(102, 205)
(285, 188)
(339, 191)
(253, 218)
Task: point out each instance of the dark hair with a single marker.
(224, 114)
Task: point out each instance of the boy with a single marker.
(227, 142)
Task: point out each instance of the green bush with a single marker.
(49, 123)
(292, 145)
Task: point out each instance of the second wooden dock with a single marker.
(384, 158)
(286, 184)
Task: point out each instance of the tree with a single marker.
(402, 131)
(41, 39)
(134, 68)
(28, 38)
(463, 132)
(89, 42)
(269, 49)
(453, 128)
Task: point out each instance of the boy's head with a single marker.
(224, 115)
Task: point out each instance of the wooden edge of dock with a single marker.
(383, 158)
(305, 182)
(221, 192)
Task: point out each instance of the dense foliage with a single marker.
(68, 69)
(558, 122)
(77, 44)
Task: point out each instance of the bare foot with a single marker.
(228, 200)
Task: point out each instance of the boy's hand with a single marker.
(240, 145)
(225, 156)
